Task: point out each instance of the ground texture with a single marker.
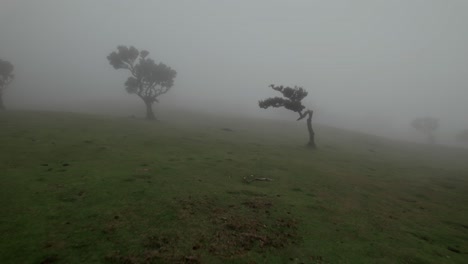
(90, 189)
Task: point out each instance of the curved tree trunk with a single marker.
(311, 131)
(149, 111)
(309, 113)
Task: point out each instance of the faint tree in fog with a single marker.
(6, 76)
(292, 101)
(463, 136)
(427, 126)
(148, 80)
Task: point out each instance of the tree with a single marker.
(463, 136)
(292, 101)
(6, 76)
(148, 80)
(427, 126)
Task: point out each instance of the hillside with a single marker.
(92, 189)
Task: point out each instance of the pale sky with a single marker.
(386, 61)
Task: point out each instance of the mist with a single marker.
(371, 66)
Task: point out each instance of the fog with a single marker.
(368, 65)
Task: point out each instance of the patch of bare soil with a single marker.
(236, 235)
(227, 232)
(50, 259)
(238, 229)
(151, 256)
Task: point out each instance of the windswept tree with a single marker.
(292, 100)
(427, 126)
(148, 80)
(6, 76)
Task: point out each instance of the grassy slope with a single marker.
(87, 189)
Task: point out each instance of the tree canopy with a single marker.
(148, 79)
(6, 76)
(425, 124)
(291, 100)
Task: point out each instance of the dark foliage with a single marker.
(148, 80)
(291, 100)
(294, 94)
(6, 76)
(427, 126)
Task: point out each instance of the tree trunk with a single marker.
(149, 111)
(311, 143)
(2, 106)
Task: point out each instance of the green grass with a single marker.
(90, 189)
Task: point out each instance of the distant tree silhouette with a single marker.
(6, 76)
(148, 80)
(427, 126)
(292, 101)
(463, 136)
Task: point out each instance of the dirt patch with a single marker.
(150, 257)
(258, 203)
(118, 258)
(237, 235)
(206, 226)
(49, 259)
(237, 231)
(160, 242)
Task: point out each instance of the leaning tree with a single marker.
(148, 80)
(6, 76)
(427, 126)
(292, 100)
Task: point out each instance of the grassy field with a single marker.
(91, 189)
